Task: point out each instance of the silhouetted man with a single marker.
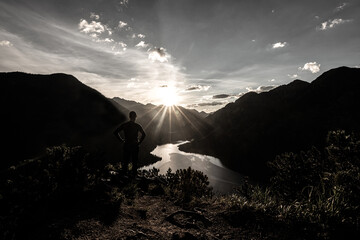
(131, 142)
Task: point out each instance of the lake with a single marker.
(222, 179)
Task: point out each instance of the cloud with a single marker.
(341, 7)
(124, 2)
(5, 43)
(279, 45)
(142, 44)
(197, 88)
(122, 44)
(106, 40)
(211, 104)
(159, 54)
(332, 23)
(92, 27)
(206, 104)
(260, 89)
(94, 16)
(141, 35)
(122, 24)
(311, 66)
(265, 88)
(221, 96)
(293, 75)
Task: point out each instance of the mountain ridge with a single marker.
(292, 117)
(46, 110)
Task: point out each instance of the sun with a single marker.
(168, 96)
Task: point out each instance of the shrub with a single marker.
(322, 188)
(58, 180)
(187, 185)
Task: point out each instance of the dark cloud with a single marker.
(221, 96)
(161, 51)
(210, 104)
(266, 88)
(159, 54)
(193, 88)
(197, 88)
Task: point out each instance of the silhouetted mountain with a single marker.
(293, 117)
(203, 114)
(45, 110)
(166, 124)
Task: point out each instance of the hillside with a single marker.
(46, 110)
(253, 130)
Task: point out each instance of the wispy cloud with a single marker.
(311, 66)
(341, 7)
(279, 45)
(332, 23)
(6, 43)
(106, 40)
(293, 76)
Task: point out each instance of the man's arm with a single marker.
(143, 135)
(117, 133)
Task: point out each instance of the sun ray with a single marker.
(188, 120)
(154, 117)
(170, 110)
(161, 120)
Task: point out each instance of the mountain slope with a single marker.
(293, 117)
(45, 110)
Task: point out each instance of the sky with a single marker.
(199, 54)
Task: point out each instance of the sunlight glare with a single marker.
(168, 96)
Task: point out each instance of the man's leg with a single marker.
(126, 157)
(135, 156)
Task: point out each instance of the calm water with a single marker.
(221, 178)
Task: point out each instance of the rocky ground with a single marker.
(154, 217)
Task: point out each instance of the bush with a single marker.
(187, 185)
(32, 189)
(322, 188)
(315, 194)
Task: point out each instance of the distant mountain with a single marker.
(46, 110)
(293, 117)
(166, 124)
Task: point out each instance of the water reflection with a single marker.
(221, 178)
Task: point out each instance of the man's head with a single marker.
(132, 116)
